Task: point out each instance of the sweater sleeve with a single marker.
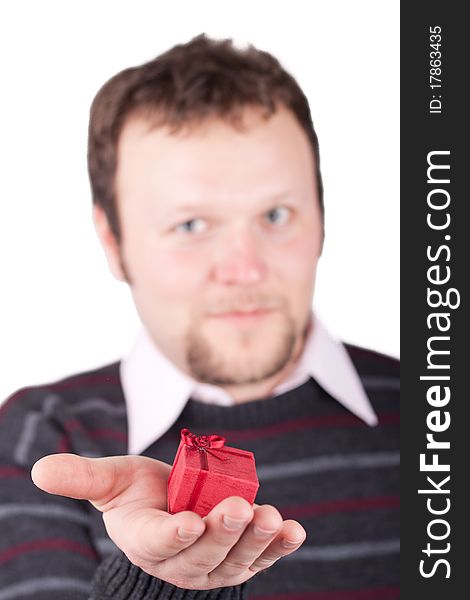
(46, 542)
(45, 545)
(119, 579)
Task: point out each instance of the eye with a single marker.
(279, 215)
(191, 226)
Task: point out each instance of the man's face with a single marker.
(221, 234)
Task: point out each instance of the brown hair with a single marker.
(186, 84)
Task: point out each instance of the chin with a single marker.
(229, 371)
(234, 358)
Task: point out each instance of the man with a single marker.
(208, 202)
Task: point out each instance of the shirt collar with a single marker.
(156, 391)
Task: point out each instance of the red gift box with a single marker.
(206, 471)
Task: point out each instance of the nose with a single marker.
(239, 261)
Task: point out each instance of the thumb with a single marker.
(99, 480)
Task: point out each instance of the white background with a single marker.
(61, 311)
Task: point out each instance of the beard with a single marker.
(219, 356)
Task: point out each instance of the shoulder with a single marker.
(380, 377)
(44, 413)
(74, 387)
(371, 363)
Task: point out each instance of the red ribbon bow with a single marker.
(202, 442)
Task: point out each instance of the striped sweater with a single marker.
(316, 462)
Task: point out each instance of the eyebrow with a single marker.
(183, 208)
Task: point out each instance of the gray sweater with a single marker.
(316, 462)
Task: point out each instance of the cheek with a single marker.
(298, 259)
(297, 268)
(173, 276)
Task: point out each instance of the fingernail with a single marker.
(291, 543)
(186, 535)
(232, 523)
(263, 533)
(263, 563)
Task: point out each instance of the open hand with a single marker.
(226, 547)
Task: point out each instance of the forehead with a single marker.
(213, 159)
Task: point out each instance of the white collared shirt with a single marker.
(156, 391)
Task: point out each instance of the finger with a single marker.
(99, 480)
(291, 537)
(266, 524)
(225, 524)
(149, 536)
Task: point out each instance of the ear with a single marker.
(108, 241)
